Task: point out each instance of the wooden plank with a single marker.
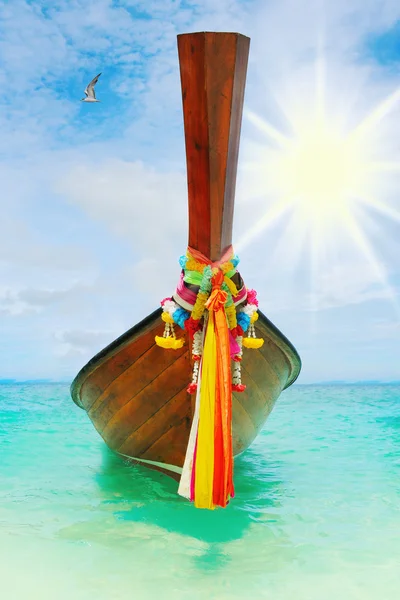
(134, 379)
(259, 369)
(274, 356)
(171, 446)
(172, 412)
(116, 364)
(144, 404)
(219, 86)
(213, 70)
(239, 83)
(257, 402)
(277, 341)
(191, 63)
(243, 430)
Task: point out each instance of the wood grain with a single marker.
(118, 362)
(144, 436)
(142, 406)
(213, 69)
(171, 446)
(146, 405)
(147, 369)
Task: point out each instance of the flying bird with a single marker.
(89, 91)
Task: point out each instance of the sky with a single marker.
(93, 196)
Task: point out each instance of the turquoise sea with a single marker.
(316, 514)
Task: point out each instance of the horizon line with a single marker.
(11, 380)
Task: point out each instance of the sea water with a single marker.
(316, 513)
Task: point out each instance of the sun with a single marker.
(325, 180)
(322, 171)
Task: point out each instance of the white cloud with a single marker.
(348, 283)
(145, 206)
(20, 245)
(30, 300)
(93, 204)
(83, 341)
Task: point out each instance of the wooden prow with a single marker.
(213, 95)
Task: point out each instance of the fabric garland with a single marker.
(215, 319)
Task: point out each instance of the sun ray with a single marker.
(320, 68)
(278, 209)
(291, 244)
(363, 244)
(376, 115)
(314, 272)
(381, 207)
(273, 133)
(320, 176)
(314, 230)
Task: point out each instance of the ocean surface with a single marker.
(316, 513)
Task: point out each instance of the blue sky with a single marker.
(93, 202)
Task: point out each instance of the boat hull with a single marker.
(134, 392)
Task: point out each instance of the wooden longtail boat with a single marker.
(134, 391)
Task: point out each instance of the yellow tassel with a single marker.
(254, 317)
(250, 342)
(163, 342)
(166, 317)
(176, 344)
(169, 342)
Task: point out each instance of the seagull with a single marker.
(89, 91)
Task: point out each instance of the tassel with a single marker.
(252, 341)
(197, 349)
(169, 339)
(237, 385)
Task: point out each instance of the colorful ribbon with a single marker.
(210, 320)
(210, 461)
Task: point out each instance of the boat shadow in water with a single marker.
(144, 496)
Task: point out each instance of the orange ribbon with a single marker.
(217, 298)
(199, 257)
(223, 456)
